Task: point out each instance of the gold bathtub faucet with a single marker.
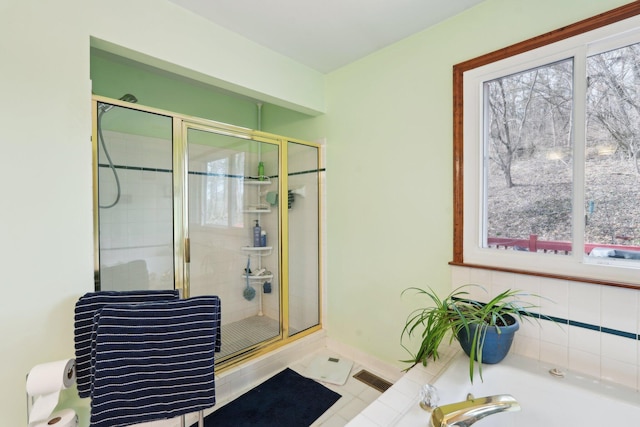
(467, 412)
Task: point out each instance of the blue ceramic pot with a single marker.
(496, 345)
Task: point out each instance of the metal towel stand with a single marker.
(200, 420)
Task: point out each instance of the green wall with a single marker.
(113, 76)
(389, 164)
(387, 121)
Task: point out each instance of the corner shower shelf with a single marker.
(254, 180)
(263, 277)
(258, 250)
(255, 210)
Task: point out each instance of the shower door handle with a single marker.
(187, 250)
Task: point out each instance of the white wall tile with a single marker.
(526, 346)
(530, 287)
(619, 309)
(501, 282)
(557, 355)
(584, 302)
(556, 298)
(584, 362)
(584, 340)
(638, 365)
(619, 348)
(530, 328)
(619, 372)
(529, 284)
(554, 332)
(606, 356)
(483, 278)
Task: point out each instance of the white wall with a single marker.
(46, 172)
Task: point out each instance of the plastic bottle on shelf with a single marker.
(261, 171)
(263, 238)
(257, 235)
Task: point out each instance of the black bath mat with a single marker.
(285, 400)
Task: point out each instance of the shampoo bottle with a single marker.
(256, 234)
(261, 171)
(263, 238)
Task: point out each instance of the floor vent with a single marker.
(373, 380)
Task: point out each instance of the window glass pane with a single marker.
(612, 185)
(216, 199)
(528, 160)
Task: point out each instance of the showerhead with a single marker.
(127, 97)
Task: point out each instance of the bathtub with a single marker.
(545, 400)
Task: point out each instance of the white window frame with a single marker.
(578, 47)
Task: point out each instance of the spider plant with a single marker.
(456, 316)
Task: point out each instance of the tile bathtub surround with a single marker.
(582, 339)
(394, 403)
(597, 330)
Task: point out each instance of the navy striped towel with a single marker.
(154, 361)
(86, 307)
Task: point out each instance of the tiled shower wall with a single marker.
(596, 329)
(217, 258)
(140, 226)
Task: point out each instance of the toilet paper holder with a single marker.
(47, 378)
(69, 374)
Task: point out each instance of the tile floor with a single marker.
(356, 395)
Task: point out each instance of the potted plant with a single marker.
(484, 330)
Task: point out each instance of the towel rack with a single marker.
(157, 354)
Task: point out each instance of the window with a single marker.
(216, 207)
(546, 153)
(528, 158)
(219, 198)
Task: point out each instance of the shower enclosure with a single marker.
(210, 209)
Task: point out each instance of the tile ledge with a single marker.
(413, 379)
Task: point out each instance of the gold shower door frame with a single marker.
(180, 125)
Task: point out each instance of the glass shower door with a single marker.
(227, 199)
(303, 207)
(203, 207)
(134, 200)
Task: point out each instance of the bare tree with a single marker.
(614, 99)
(529, 112)
(507, 119)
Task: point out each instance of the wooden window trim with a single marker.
(606, 18)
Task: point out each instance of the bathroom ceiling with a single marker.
(326, 34)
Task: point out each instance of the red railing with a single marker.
(532, 244)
